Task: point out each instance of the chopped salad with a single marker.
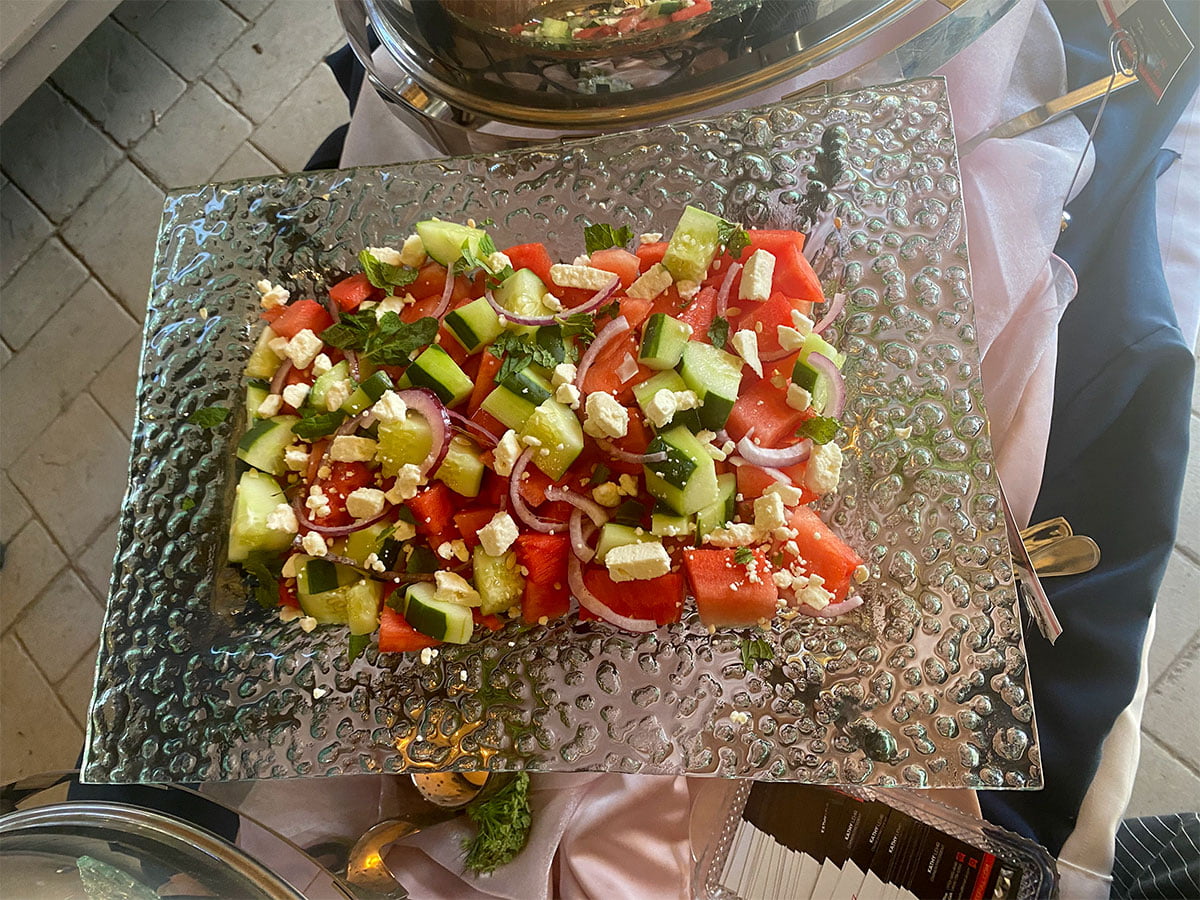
(458, 434)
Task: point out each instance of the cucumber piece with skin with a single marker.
(444, 241)
(447, 622)
(721, 511)
(814, 343)
(434, 369)
(512, 410)
(322, 384)
(462, 469)
(663, 340)
(370, 390)
(693, 245)
(686, 481)
(667, 524)
(528, 385)
(614, 535)
(667, 381)
(256, 393)
(521, 293)
(263, 361)
(715, 376)
(814, 382)
(363, 599)
(257, 495)
(263, 444)
(559, 436)
(474, 324)
(358, 545)
(498, 580)
(405, 442)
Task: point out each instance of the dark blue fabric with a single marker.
(1118, 438)
(349, 73)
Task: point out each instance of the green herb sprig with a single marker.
(502, 824)
(601, 237)
(209, 416)
(386, 340)
(266, 586)
(743, 555)
(733, 237)
(754, 649)
(718, 332)
(519, 351)
(315, 424)
(385, 275)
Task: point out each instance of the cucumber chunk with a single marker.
(715, 376)
(521, 293)
(444, 240)
(614, 535)
(358, 545)
(667, 524)
(686, 481)
(512, 410)
(405, 442)
(322, 384)
(814, 343)
(663, 340)
(263, 444)
(434, 369)
(474, 325)
(528, 385)
(559, 436)
(693, 245)
(370, 390)
(447, 622)
(667, 381)
(462, 469)
(498, 581)
(263, 361)
(256, 497)
(256, 393)
(721, 511)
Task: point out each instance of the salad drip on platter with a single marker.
(456, 434)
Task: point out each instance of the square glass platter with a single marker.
(925, 685)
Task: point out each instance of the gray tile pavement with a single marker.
(247, 162)
(118, 82)
(60, 625)
(37, 290)
(115, 232)
(1178, 620)
(316, 106)
(95, 563)
(23, 228)
(1163, 784)
(116, 386)
(192, 141)
(38, 732)
(54, 154)
(31, 559)
(210, 26)
(14, 511)
(1171, 709)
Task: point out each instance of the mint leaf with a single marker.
(393, 341)
(187, 503)
(318, 425)
(385, 275)
(743, 555)
(718, 332)
(819, 429)
(352, 332)
(611, 308)
(733, 237)
(502, 822)
(755, 649)
(599, 475)
(209, 416)
(519, 351)
(357, 644)
(601, 237)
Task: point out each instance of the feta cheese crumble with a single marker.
(757, 276)
(506, 453)
(498, 535)
(824, 468)
(606, 418)
(408, 480)
(346, 448)
(314, 544)
(364, 502)
(283, 518)
(637, 562)
(580, 276)
(745, 342)
(273, 295)
(650, 283)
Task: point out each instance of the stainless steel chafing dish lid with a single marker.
(497, 59)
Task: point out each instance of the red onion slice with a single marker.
(352, 363)
(447, 290)
(524, 513)
(589, 601)
(773, 457)
(473, 429)
(426, 402)
(586, 306)
(281, 375)
(836, 305)
(607, 335)
(837, 385)
(726, 287)
(579, 544)
(330, 530)
(640, 459)
(774, 355)
(364, 419)
(832, 610)
(591, 508)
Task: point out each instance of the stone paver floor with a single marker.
(164, 94)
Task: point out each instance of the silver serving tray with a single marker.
(926, 685)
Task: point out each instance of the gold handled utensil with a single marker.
(1072, 555)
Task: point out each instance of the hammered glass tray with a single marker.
(925, 685)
